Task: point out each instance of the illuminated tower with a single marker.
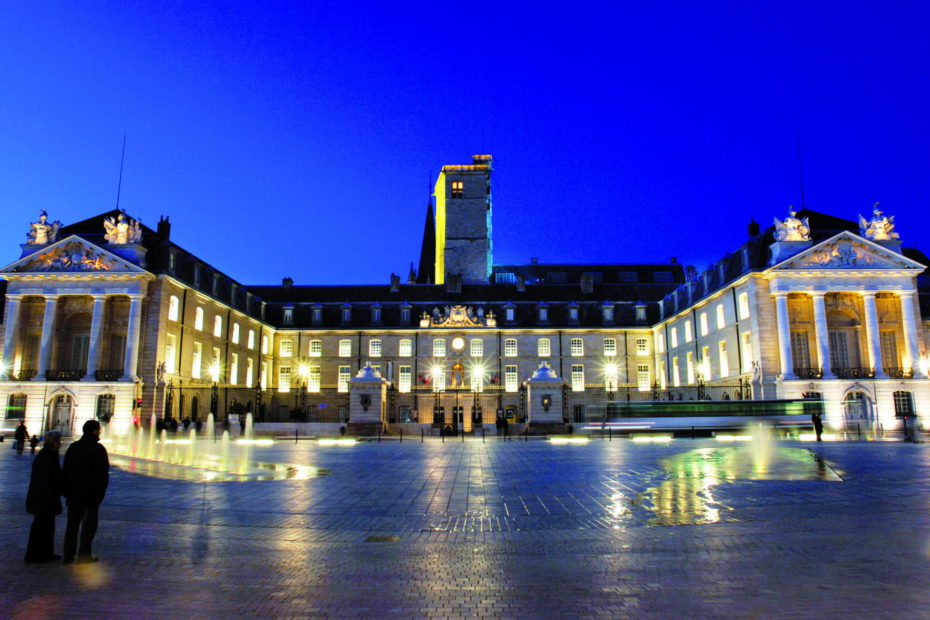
(463, 221)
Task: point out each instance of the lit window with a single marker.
(608, 312)
(674, 337)
(170, 352)
(217, 326)
(234, 369)
(404, 379)
(573, 314)
(235, 333)
(662, 380)
(316, 348)
(642, 346)
(743, 302)
(264, 344)
(215, 366)
(676, 373)
(264, 377)
(405, 316)
(345, 348)
(643, 380)
(543, 314)
(610, 346)
(577, 378)
(287, 348)
(316, 315)
(660, 342)
(196, 360)
(376, 314)
(458, 189)
(747, 352)
(689, 331)
(174, 308)
(543, 347)
(405, 348)
(510, 378)
(721, 319)
(374, 348)
(689, 362)
(284, 379)
(345, 373)
(704, 328)
(346, 314)
(251, 341)
(288, 317)
(508, 314)
(705, 363)
(476, 347)
(640, 314)
(313, 379)
(610, 377)
(510, 347)
(439, 347)
(724, 362)
(576, 347)
(249, 372)
(198, 318)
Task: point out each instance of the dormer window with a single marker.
(542, 313)
(405, 315)
(573, 314)
(376, 313)
(346, 314)
(316, 315)
(640, 313)
(608, 312)
(288, 317)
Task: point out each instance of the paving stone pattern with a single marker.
(611, 529)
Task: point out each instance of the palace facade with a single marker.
(108, 318)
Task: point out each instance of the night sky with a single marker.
(299, 139)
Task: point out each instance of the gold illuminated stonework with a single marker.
(456, 317)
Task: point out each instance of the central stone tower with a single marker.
(463, 222)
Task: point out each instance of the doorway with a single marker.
(60, 412)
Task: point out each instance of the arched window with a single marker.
(316, 348)
(543, 347)
(218, 326)
(174, 307)
(510, 347)
(198, 318)
(576, 347)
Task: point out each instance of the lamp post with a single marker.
(477, 383)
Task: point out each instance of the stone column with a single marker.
(48, 337)
(131, 361)
(9, 335)
(93, 351)
(910, 332)
(822, 333)
(784, 334)
(872, 335)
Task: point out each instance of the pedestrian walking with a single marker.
(20, 435)
(43, 500)
(86, 476)
(33, 442)
(818, 425)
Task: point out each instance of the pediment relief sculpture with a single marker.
(43, 232)
(122, 230)
(792, 228)
(70, 257)
(456, 317)
(879, 228)
(846, 254)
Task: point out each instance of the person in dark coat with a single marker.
(818, 425)
(20, 435)
(43, 500)
(86, 476)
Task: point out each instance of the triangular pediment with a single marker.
(847, 251)
(72, 255)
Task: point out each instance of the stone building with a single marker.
(109, 318)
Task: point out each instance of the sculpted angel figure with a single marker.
(879, 228)
(43, 231)
(122, 230)
(792, 228)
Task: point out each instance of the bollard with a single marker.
(421, 435)
(463, 435)
(442, 434)
(379, 434)
(858, 432)
(296, 430)
(610, 434)
(401, 435)
(482, 434)
(526, 434)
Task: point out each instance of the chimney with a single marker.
(690, 272)
(673, 260)
(395, 283)
(753, 228)
(164, 228)
(587, 283)
(534, 261)
(287, 282)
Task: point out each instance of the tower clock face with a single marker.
(458, 343)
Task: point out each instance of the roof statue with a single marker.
(42, 232)
(879, 228)
(792, 228)
(122, 230)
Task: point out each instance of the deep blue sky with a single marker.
(298, 139)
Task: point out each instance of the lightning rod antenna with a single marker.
(119, 184)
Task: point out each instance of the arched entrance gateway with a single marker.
(858, 408)
(60, 414)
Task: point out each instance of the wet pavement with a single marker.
(687, 528)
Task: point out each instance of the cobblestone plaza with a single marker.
(686, 528)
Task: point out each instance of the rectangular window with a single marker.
(234, 369)
(405, 349)
(543, 347)
(674, 337)
(660, 342)
(800, 350)
(610, 347)
(347, 315)
(196, 360)
(404, 377)
(284, 378)
(316, 316)
(889, 349)
(704, 328)
(689, 331)
(218, 326)
(198, 318)
(576, 347)
(288, 318)
(742, 301)
(610, 377)
(264, 377)
(264, 344)
(458, 189)
(577, 377)
(608, 313)
(439, 347)
(705, 363)
(80, 345)
(721, 319)
(170, 353)
(374, 348)
(345, 373)
(663, 382)
(249, 372)
(405, 316)
(510, 378)
(510, 347)
(316, 348)
(476, 347)
(642, 346)
(16, 407)
(724, 359)
(439, 379)
(173, 308)
(345, 348)
(676, 372)
(235, 333)
(376, 315)
(313, 379)
(287, 348)
(643, 380)
(251, 340)
(839, 350)
(689, 363)
(215, 366)
(747, 352)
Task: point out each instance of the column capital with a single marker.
(816, 294)
(780, 294)
(867, 294)
(906, 294)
